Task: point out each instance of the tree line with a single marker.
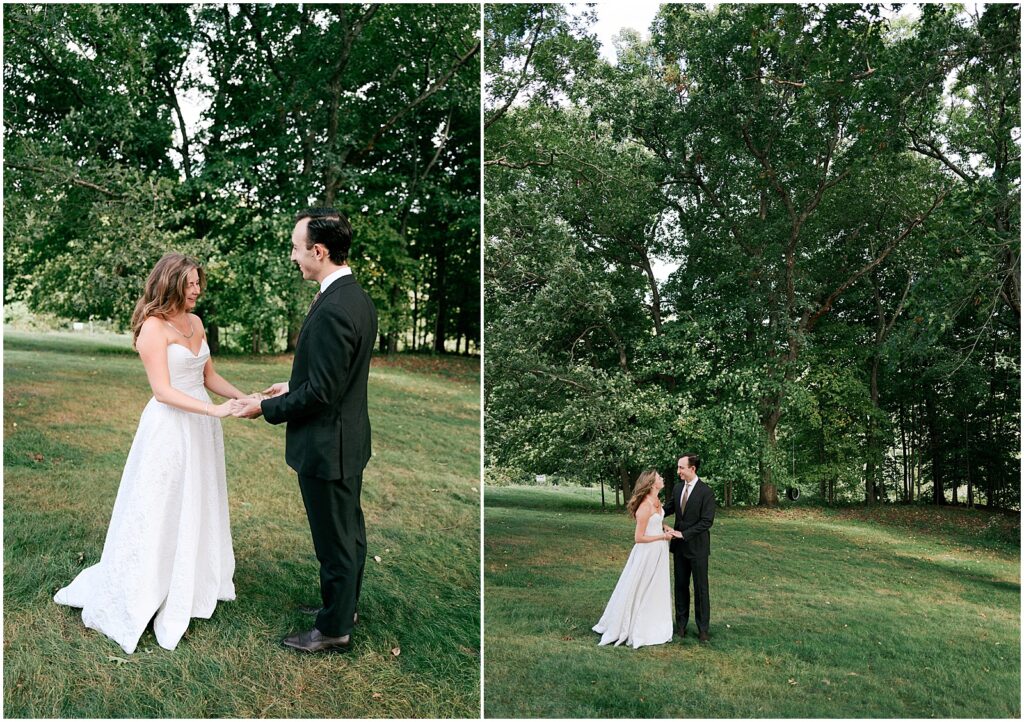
(371, 108)
(837, 189)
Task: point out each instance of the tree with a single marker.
(350, 105)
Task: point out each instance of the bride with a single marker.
(167, 555)
(639, 612)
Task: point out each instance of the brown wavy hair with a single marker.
(164, 292)
(641, 489)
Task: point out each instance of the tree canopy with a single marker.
(373, 109)
(837, 190)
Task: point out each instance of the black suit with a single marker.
(692, 551)
(328, 439)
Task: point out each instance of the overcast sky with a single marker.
(614, 16)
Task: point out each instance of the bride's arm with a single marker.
(643, 515)
(152, 348)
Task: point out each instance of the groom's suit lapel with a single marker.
(333, 288)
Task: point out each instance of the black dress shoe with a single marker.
(313, 611)
(704, 637)
(681, 632)
(314, 641)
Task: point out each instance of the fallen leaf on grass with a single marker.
(377, 695)
(792, 681)
(395, 651)
(376, 559)
(37, 457)
(827, 682)
(118, 660)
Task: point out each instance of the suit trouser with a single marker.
(698, 569)
(339, 538)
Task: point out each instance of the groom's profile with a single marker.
(693, 503)
(327, 441)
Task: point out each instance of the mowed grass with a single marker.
(812, 615)
(71, 408)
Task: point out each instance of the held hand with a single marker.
(276, 389)
(223, 410)
(247, 408)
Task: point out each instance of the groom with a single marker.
(693, 503)
(327, 441)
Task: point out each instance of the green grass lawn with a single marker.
(814, 613)
(71, 406)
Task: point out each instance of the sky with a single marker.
(614, 16)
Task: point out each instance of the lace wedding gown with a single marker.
(639, 612)
(168, 547)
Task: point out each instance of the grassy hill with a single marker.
(814, 613)
(71, 406)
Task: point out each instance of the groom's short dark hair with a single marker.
(331, 229)
(692, 459)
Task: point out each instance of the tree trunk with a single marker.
(821, 462)
(442, 293)
(769, 495)
(871, 492)
(967, 464)
(905, 460)
(624, 480)
(938, 493)
(415, 314)
(213, 338)
(292, 337)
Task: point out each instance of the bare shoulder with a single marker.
(197, 323)
(152, 327)
(153, 333)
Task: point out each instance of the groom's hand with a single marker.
(276, 389)
(248, 408)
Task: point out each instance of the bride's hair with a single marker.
(164, 292)
(641, 489)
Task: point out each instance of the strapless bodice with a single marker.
(654, 523)
(185, 368)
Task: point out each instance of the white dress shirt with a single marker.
(343, 271)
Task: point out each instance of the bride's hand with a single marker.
(226, 409)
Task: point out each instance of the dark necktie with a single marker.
(686, 495)
(315, 299)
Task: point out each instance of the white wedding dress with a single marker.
(168, 547)
(640, 610)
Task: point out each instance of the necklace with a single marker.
(192, 331)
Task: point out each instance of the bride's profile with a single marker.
(639, 612)
(167, 556)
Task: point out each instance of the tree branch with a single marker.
(827, 303)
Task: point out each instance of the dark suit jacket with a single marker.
(328, 434)
(694, 522)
